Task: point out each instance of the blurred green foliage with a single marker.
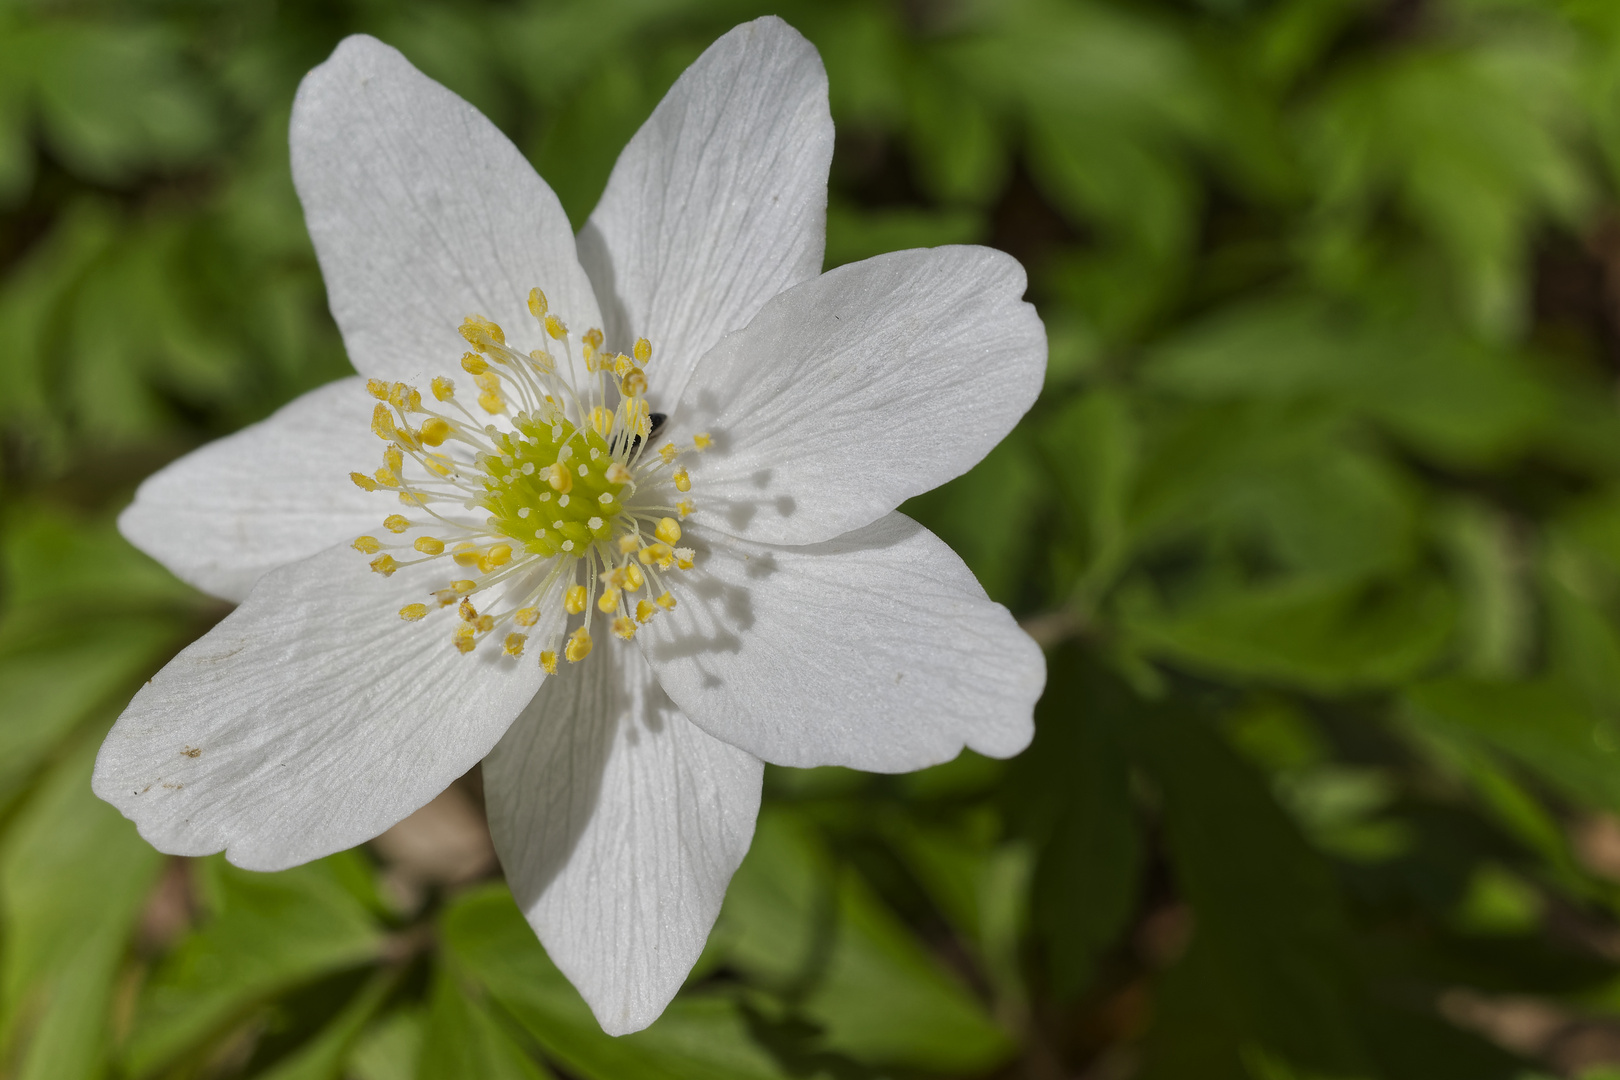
(1319, 516)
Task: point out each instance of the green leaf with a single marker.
(1072, 792)
(1269, 947)
(697, 1038)
(389, 1049)
(1542, 724)
(462, 1040)
(322, 1057)
(822, 939)
(1326, 637)
(73, 879)
(271, 932)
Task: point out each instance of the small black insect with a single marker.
(657, 419)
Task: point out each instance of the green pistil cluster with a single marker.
(548, 488)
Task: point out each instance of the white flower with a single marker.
(775, 606)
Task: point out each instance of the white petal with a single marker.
(849, 394)
(619, 824)
(877, 650)
(718, 203)
(273, 493)
(312, 718)
(422, 213)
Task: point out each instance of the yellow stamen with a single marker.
(396, 523)
(435, 431)
(643, 350)
(667, 601)
(384, 565)
(427, 545)
(579, 645)
(413, 612)
(624, 627)
(367, 545)
(683, 482)
(514, 644)
(669, 530)
(575, 600)
(443, 388)
(548, 662)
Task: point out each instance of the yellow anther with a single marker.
(614, 577)
(702, 440)
(396, 523)
(363, 482)
(683, 482)
(464, 639)
(438, 463)
(427, 545)
(411, 498)
(491, 402)
(579, 645)
(575, 599)
(593, 338)
(543, 358)
(622, 364)
(464, 587)
(602, 420)
(443, 388)
(684, 507)
(497, 556)
(467, 611)
(398, 395)
(669, 452)
(411, 440)
(643, 350)
(480, 332)
(488, 380)
(384, 565)
(413, 400)
(667, 602)
(435, 431)
(386, 478)
(377, 389)
(526, 616)
(628, 544)
(485, 623)
(662, 554)
(669, 530)
(617, 473)
(394, 459)
(538, 304)
(608, 601)
(413, 612)
(473, 364)
(548, 662)
(514, 644)
(446, 597)
(644, 610)
(633, 577)
(382, 422)
(685, 558)
(465, 554)
(555, 328)
(634, 383)
(625, 627)
(367, 545)
(559, 479)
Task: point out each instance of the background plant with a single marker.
(1319, 516)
